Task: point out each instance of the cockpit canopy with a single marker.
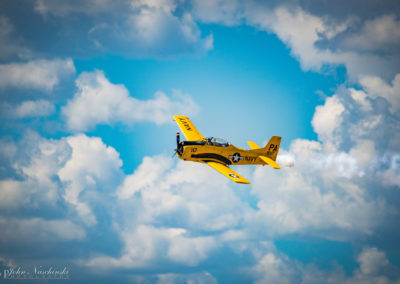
(214, 141)
(217, 142)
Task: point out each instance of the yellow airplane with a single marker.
(219, 154)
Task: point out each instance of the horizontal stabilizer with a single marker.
(253, 145)
(270, 162)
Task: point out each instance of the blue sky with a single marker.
(88, 90)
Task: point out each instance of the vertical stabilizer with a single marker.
(272, 148)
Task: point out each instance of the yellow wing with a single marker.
(187, 127)
(228, 172)
(270, 162)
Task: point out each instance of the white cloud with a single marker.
(153, 24)
(12, 194)
(92, 166)
(36, 161)
(372, 261)
(98, 101)
(376, 87)
(220, 11)
(333, 186)
(302, 31)
(274, 267)
(10, 46)
(361, 98)
(38, 108)
(164, 192)
(79, 170)
(146, 246)
(391, 176)
(295, 201)
(381, 33)
(203, 277)
(143, 28)
(34, 108)
(312, 39)
(327, 119)
(145, 176)
(37, 74)
(198, 278)
(324, 195)
(162, 205)
(46, 7)
(49, 176)
(15, 230)
(364, 151)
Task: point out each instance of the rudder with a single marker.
(272, 148)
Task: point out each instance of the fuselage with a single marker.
(201, 151)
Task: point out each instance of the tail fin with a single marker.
(272, 147)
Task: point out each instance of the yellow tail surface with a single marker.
(272, 148)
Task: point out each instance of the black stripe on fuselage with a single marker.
(212, 156)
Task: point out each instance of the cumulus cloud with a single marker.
(391, 176)
(52, 175)
(313, 38)
(10, 46)
(164, 192)
(343, 180)
(376, 87)
(173, 278)
(40, 74)
(302, 32)
(380, 33)
(32, 172)
(98, 101)
(274, 267)
(34, 108)
(295, 202)
(163, 205)
(16, 230)
(220, 11)
(38, 108)
(146, 246)
(45, 7)
(182, 213)
(372, 261)
(92, 166)
(135, 28)
(153, 24)
(324, 195)
(12, 194)
(327, 118)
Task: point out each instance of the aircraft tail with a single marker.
(272, 148)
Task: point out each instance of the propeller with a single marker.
(177, 144)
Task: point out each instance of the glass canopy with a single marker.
(217, 142)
